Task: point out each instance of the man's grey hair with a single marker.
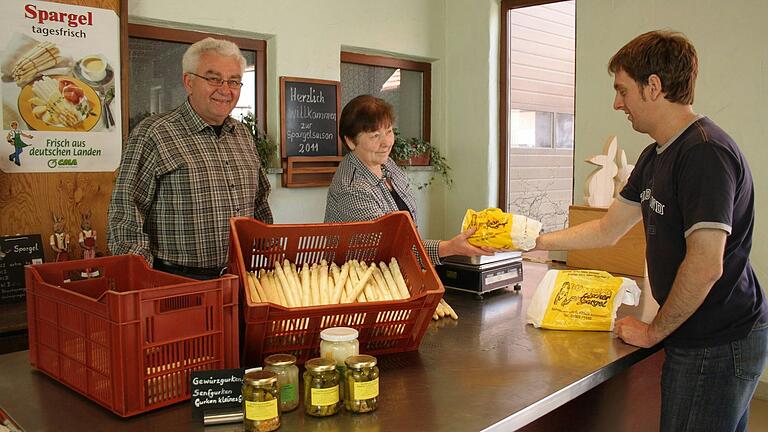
(225, 48)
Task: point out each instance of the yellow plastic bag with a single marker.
(580, 300)
(501, 230)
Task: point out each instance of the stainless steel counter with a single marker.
(487, 371)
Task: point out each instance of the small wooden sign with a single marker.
(216, 390)
(309, 117)
(309, 131)
(15, 253)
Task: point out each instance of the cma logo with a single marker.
(53, 163)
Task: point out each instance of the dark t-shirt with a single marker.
(700, 180)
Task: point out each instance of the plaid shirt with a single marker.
(178, 186)
(356, 194)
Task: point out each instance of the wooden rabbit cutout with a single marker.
(59, 240)
(599, 186)
(625, 170)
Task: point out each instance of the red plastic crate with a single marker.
(129, 337)
(384, 327)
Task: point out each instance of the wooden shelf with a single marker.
(309, 171)
(626, 257)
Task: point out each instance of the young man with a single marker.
(693, 190)
(186, 172)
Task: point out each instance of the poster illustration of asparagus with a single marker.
(59, 88)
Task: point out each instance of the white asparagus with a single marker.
(389, 279)
(297, 283)
(324, 282)
(314, 283)
(346, 297)
(252, 288)
(390, 292)
(340, 277)
(370, 293)
(354, 295)
(287, 291)
(267, 294)
(294, 287)
(363, 282)
(450, 310)
(382, 293)
(399, 280)
(440, 310)
(305, 290)
(278, 288)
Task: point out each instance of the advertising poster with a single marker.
(60, 87)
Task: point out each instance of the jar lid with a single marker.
(361, 361)
(260, 378)
(280, 360)
(320, 364)
(339, 334)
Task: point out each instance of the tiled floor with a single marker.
(758, 416)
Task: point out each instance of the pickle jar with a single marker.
(284, 365)
(261, 400)
(321, 387)
(338, 343)
(362, 384)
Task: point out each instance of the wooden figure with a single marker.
(87, 241)
(599, 186)
(622, 175)
(59, 239)
(87, 238)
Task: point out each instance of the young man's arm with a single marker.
(603, 232)
(700, 269)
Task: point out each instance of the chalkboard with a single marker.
(15, 253)
(215, 390)
(309, 117)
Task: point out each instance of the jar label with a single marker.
(261, 411)
(325, 396)
(365, 390)
(287, 393)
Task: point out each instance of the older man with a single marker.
(186, 172)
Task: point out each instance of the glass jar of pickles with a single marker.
(261, 398)
(284, 365)
(338, 343)
(321, 387)
(362, 384)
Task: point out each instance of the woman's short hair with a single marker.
(668, 54)
(191, 59)
(365, 113)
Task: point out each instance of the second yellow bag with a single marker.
(580, 300)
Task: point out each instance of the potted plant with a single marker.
(265, 147)
(418, 152)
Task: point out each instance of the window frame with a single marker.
(410, 65)
(506, 6)
(168, 34)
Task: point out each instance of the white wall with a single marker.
(471, 104)
(304, 39)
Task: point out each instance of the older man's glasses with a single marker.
(218, 82)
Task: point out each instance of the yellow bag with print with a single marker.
(580, 300)
(501, 230)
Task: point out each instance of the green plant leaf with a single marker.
(265, 147)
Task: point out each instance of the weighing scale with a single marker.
(482, 274)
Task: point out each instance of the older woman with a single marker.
(368, 184)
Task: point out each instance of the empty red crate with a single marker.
(128, 337)
(384, 327)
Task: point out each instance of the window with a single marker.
(536, 117)
(405, 84)
(154, 83)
